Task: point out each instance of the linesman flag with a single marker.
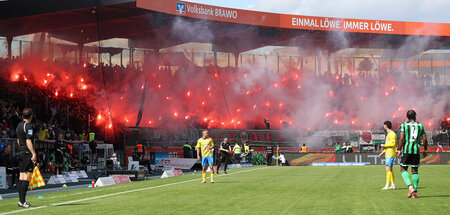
(36, 179)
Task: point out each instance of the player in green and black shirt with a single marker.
(409, 145)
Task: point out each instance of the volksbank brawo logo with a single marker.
(181, 8)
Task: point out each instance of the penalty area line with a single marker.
(122, 192)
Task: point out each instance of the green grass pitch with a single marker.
(258, 190)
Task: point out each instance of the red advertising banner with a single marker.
(209, 12)
(121, 179)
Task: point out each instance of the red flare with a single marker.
(331, 93)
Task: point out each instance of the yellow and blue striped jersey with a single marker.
(203, 144)
(390, 144)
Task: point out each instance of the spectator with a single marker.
(439, 147)
(237, 150)
(337, 149)
(349, 148)
(304, 149)
(283, 160)
(344, 148)
(43, 132)
(69, 135)
(187, 150)
(10, 167)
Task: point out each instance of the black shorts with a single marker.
(224, 157)
(412, 160)
(59, 159)
(25, 163)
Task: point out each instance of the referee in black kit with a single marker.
(27, 155)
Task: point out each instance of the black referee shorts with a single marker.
(59, 158)
(412, 160)
(25, 163)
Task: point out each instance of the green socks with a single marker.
(415, 179)
(405, 176)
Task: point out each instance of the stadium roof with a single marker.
(150, 24)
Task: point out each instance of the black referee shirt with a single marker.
(225, 146)
(24, 132)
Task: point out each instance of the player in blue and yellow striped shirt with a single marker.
(390, 154)
(205, 144)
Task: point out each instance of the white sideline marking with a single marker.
(123, 192)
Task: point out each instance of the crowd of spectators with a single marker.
(64, 115)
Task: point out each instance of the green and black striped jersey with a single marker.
(413, 134)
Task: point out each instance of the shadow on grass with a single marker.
(437, 196)
(225, 182)
(404, 188)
